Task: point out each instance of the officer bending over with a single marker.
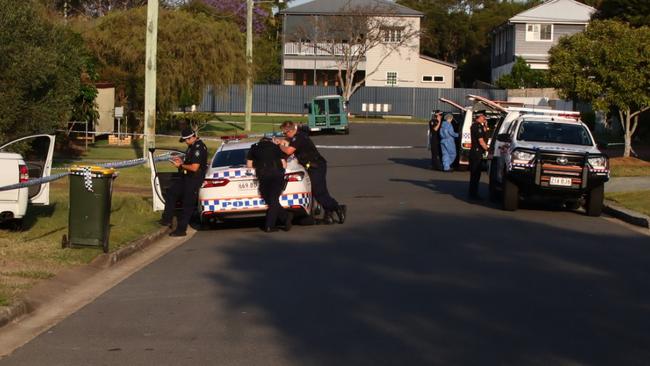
(299, 143)
(270, 165)
(479, 146)
(192, 169)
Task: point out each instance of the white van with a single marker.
(21, 160)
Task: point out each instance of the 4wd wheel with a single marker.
(494, 192)
(510, 195)
(594, 204)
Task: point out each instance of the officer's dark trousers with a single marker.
(434, 142)
(318, 177)
(475, 161)
(187, 190)
(271, 185)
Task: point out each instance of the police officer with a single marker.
(479, 147)
(192, 170)
(434, 139)
(299, 143)
(270, 164)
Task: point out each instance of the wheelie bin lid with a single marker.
(94, 170)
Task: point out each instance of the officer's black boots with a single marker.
(327, 218)
(341, 212)
(289, 222)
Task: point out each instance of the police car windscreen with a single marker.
(230, 158)
(553, 132)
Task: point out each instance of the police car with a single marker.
(230, 190)
(551, 156)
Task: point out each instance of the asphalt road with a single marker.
(417, 276)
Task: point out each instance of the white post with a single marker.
(249, 66)
(150, 77)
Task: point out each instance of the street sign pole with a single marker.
(150, 77)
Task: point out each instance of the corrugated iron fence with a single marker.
(415, 102)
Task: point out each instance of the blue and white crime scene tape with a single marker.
(117, 165)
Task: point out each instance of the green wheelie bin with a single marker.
(91, 190)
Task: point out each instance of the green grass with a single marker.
(35, 254)
(638, 201)
(629, 167)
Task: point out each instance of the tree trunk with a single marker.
(627, 128)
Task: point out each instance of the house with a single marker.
(532, 33)
(305, 64)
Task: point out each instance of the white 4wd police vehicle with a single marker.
(550, 155)
(21, 160)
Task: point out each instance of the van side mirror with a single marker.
(504, 137)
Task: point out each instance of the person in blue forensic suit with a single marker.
(448, 143)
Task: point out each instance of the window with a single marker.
(539, 32)
(391, 78)
(433, 79)
(392, 35)
(561, 133)
(230, 158)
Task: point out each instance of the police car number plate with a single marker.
(557, 181)
(248, 185)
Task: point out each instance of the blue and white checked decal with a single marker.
(286, 200)
(233, 173)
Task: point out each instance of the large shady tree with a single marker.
(349, 36)
(194, 50)
(609, 66)
(41, 64)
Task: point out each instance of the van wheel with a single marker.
(346, 131)
(16, 225)
(594, 204)
(510, 195)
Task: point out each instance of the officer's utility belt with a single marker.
(313, 164)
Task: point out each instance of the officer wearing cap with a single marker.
(192, 170)
(270, 164)
(299, 143)
(479, 147)
(434, 139)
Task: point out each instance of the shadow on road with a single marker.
(423, 163)
(441, 289)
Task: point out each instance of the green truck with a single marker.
(328, 113)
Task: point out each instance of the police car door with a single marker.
(163, 174)
(37, 152)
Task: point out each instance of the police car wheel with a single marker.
(510, 195)
(594, 204)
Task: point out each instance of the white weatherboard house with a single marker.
(303, 64)
(532, 33)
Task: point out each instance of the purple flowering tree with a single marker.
(237, 10)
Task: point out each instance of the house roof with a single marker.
(438, 61)
(334, 7)
(556, 11)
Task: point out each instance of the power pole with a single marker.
(150, 77)
(248, 126)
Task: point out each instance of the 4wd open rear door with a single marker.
(37, 152)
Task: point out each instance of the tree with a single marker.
(194, 51)
(40, 67)
(347, 38)
(522, 76)
(635, 12)
(607, 65)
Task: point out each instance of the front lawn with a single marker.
(637, 201)
(629, 167)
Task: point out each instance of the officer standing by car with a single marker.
(434, 139)
(192, 170)
(298, 142)
(479, 147)
(270, 165)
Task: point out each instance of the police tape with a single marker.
(367, 147)
(116, 165)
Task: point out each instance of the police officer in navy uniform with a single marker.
(270, 164)
(434, 139)
(192, 170)
(478, 132)
(299, 143)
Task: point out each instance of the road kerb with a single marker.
(22, 307)
(626, 215)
